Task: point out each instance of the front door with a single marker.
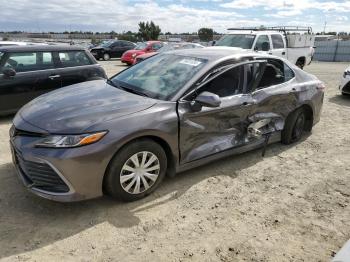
(213, 130)
(30, 81)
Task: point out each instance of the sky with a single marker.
(174, 16)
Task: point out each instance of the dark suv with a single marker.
(112, 49)
(29, 71)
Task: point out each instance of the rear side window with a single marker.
(29, 61)
(74, 58)
(288, 73)
(276, 72)
(277, 41)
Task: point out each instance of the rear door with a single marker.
(74, 67)
(213, 130)
(275, 95)
(278, 46)
(31, 79)
(117, 49)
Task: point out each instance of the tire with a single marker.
(123, 165)
(300, 64)
(294, 127)
(106, 57)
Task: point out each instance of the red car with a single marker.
(147, 47)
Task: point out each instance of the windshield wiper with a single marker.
(128, 89)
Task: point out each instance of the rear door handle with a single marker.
(54, 77)
(246, 104)
(283, 53)
(293, 89)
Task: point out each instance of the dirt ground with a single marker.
(291, 205)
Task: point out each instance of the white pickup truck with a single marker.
(297, 48)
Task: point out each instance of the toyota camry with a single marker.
(173, 112)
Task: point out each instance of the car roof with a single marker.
(39, 48)
(214, 53)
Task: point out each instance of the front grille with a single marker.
(41, 175)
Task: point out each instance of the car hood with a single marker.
(133, 51)
(75, 108)
(147, 55)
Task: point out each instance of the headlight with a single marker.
(61, 141)
(346, 73)
(133, 55)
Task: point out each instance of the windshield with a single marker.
(107, 43)
(141, 46)
(161, 76)
(242, 41)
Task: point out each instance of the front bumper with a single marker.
(128, 60)
(344, 85)
(63, 175)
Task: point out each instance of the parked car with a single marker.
(344, 86)
(142, 48)
(12, 43)
(165, 48)
(279, 41)
(29, 71)
(111, 49)
(172, 112)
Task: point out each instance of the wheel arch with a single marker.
(309, 114)
(171, 158)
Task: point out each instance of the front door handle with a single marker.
(283, 53)
(246, 104)
(54, 77)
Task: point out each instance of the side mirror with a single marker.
(213, 43)
(208, 99)
(9, 72)
(265, 46)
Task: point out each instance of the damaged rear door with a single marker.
(274, 98)
(205, 131)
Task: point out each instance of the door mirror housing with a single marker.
(265, 46)
(208, 99)
(9, 72)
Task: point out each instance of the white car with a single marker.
(344, 86)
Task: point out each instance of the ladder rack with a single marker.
(284, 29)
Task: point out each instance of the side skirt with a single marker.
(276, 137)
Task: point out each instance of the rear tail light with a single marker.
(321, 87)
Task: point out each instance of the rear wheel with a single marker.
(300, 63)
(136, 170)
(294, 127)
(106, 57)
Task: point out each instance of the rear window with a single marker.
(74, 58)
(277, 41)
(29, 61)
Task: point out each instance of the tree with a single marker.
(148, 31)
(205, 34)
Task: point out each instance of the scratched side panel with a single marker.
(213, 130)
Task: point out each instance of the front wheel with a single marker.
(136, 170)
(294, 127)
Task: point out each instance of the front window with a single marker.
(244, 41)
(159, 77)
(1, 54)
(141, 46)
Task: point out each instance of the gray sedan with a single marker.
(173, 112)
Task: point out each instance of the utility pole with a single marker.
(324, 29)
